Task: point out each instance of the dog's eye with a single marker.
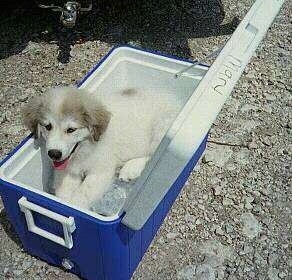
(70, 130)
(48, 127)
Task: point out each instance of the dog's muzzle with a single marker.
(61, 165)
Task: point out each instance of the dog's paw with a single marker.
(132, 169)
(129, 173)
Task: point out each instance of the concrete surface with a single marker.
(233, 218)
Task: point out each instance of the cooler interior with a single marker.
(124, 68)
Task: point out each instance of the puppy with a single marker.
(89, 135)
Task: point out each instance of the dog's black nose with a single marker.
(55, 154)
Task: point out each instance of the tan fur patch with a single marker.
(87, 111)
(129, 91)
(75, 103)
(32, 114)
(72, 105)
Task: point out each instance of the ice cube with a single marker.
(111, 203)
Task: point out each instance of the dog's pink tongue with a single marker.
(61, 165)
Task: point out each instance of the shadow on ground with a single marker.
(154, 24)
(8, 228)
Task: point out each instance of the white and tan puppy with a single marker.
(89, 136)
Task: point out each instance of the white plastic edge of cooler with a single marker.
(203, 107)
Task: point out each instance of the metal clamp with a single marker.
(69, 12)
(68, 223)
(201, 61)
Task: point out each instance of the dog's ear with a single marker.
(97, 118)
(32, 113)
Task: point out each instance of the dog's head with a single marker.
(65, 117)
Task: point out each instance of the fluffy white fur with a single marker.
(129, 126)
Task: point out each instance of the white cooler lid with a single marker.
(195, 120)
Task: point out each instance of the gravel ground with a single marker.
(233, 218)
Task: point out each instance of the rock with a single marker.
(216, 253)
(30, 92)
(230, 138)
(227, 201)
(219, 231)
(32, 48)
(259, 259)
(3, 118)
(218, 155)
(200, 206)
(54, 270)
(232, 277)
(17, 272)
(14, 130)
(248, 107)
(215, 181)
(171, 235)
(248, 201)
(273, 274)
(230, 166)
(282, 275)
(161, 240)
(205, 272)
(272, 259)
(205, 197)
(251, 227)
(267, 108)
(265, 191)
(198, 222)
(22, 97)
(247, 269)
(135, 43)
(217, 190)
(266, 140)
(248, 206)
(229, 228)
(266, 221)
(270, 97)
(190, 218)
(256, 193)
(26, 265)
(246, 250)
(187, 273)
(242, 156)
(252, 144)
(249, 125)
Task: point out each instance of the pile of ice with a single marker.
(112, 202)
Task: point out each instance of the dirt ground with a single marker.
(233, 217)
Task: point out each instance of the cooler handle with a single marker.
(68, 224)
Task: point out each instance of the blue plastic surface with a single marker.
(102, 250)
